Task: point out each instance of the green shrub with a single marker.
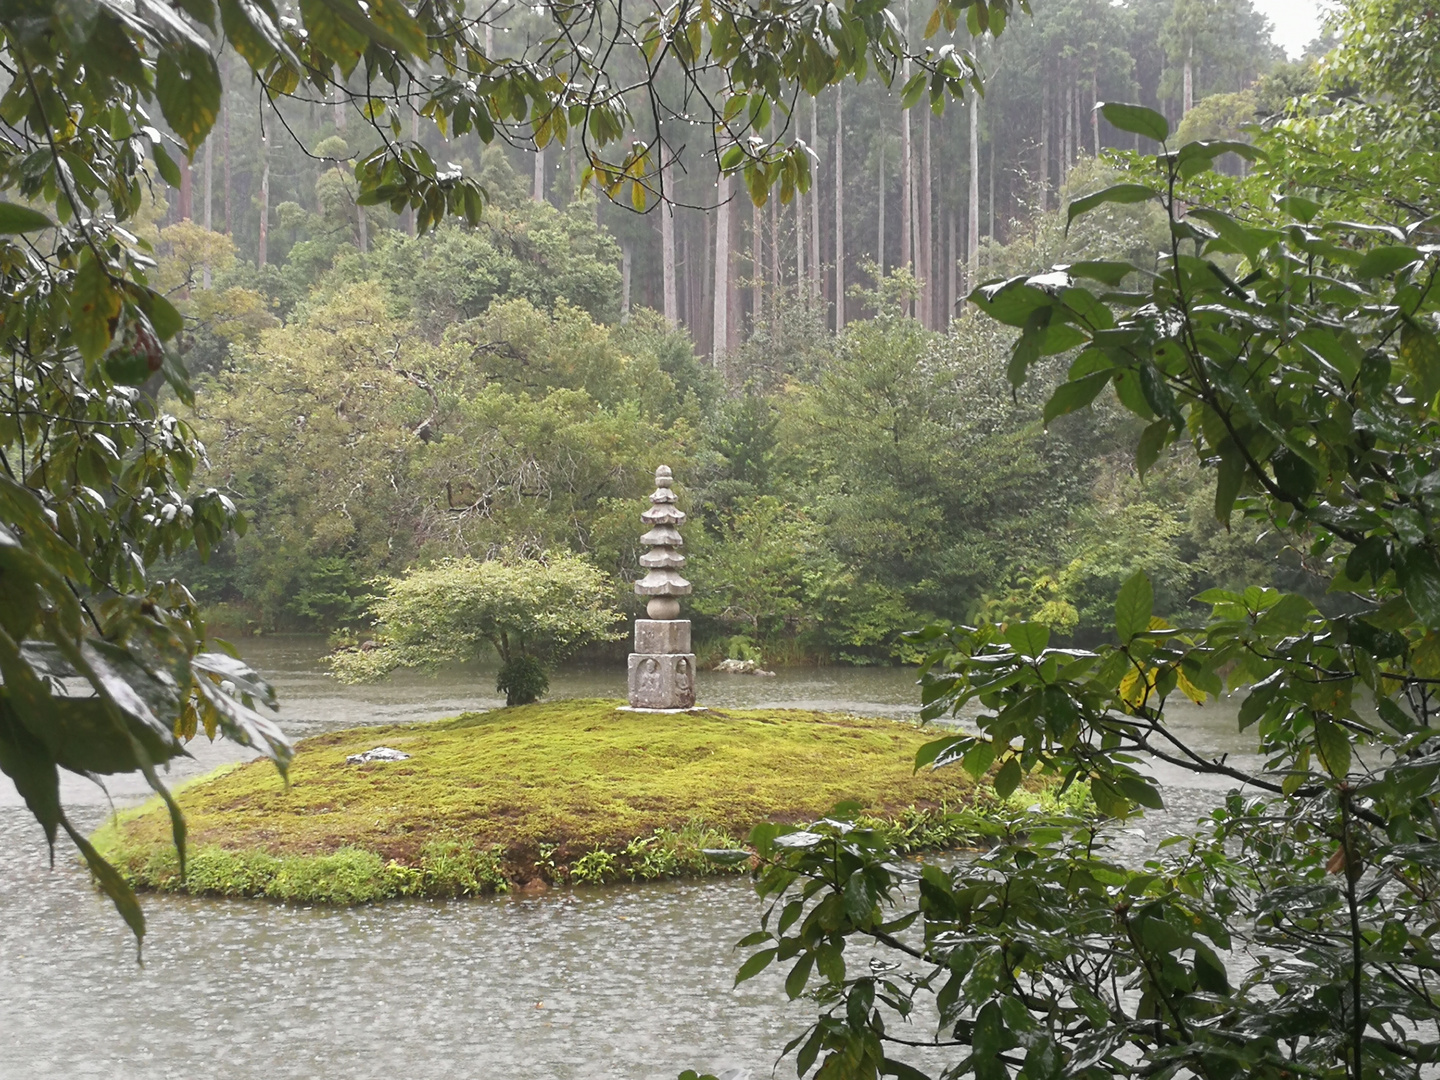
(522, 680)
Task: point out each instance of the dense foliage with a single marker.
(892, 477)
(1288, 334)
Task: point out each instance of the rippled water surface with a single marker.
(631, 982)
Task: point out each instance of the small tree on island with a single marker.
(533, 612)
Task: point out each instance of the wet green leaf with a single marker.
(21, 219)
(187, 84)
(1076, 394)
(1134, 606)
(1008, 778)
(94, 302)
(754, 965)
(1420, 578)
(1382, 262)
(1136, 119)
(1116, 193)
(1333, 745)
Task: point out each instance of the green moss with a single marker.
(575, 791)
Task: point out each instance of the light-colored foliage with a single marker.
(457, 610)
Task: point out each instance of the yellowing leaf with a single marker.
(1135, 687)
(1189, 689)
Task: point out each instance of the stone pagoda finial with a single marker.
(662, 582)
(662, 667)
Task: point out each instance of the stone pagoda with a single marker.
(662, 667)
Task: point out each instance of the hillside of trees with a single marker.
(372, 398)
(891, 186)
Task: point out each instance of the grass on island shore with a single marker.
(558, 792)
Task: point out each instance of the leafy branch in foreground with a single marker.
(1293, 933)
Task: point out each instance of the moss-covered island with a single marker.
(569, 791)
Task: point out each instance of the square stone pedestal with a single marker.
(662, 635)
(662, 667)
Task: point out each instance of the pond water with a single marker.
(632, 983)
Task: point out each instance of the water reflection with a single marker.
(617, 983)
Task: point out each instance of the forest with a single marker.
(372, 399)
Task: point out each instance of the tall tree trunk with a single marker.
(951, 296)
(972, 240)
(927, 231)
(410, 215)
(1066, 158)
(839, 208)
(225, 150)
(908, 255)
(362, 227)
(907, 192)
(735, 320)
(539, 192)
(880, 199)
(1189, 100)
(757, 267)
(815, 203)
(962, 272)
(207, 205)
(341, 101)
(1044, 172)
(704, 328)
(774, 253)
(667, 240)
(683, 290)
(990, 201)
(720, 339)
(801, 281)
(1094, 112)
(264, 192)
(625, 262)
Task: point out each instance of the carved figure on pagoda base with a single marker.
(664, 681)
